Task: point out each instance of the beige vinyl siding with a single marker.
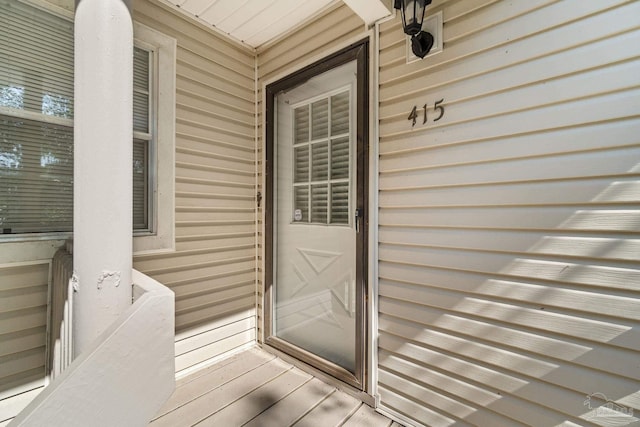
(24, 294)
(509, 241)
(212, 271)
(23, 319)
(333, 29)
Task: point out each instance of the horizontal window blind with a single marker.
(301, 164)
(301, 124)
(319, 203)
(36, 123)
(340, 158)
(140, 184)
(36, 60)
(141, 89)
(36, 156)
(340, 114)
(340, 203)
(319, 119)
(36, 175)
(321, 160)
(301, 202)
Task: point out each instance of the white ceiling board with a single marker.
(222, 10)
(195, 7)
(248, 12)
(291, 18)
(256, 28)
(256, 22)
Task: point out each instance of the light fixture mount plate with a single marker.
(431, 24)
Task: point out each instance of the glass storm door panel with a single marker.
(314, 292)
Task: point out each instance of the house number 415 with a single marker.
(437, 108)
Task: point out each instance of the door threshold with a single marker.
(363, 396)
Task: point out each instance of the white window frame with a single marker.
(162, 238)
(37, 246)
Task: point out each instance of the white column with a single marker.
(102, 214)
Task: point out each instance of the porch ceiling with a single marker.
(256, 22)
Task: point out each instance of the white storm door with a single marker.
(315, 226)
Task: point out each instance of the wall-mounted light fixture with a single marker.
(412, 17)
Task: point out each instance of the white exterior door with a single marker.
(315, 217)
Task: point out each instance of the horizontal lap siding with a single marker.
(509, 230)
(332, 30)
(23, 322)
(212, 271)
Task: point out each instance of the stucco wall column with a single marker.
(102, 213)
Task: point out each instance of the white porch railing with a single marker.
(125, 375)
(60, 346)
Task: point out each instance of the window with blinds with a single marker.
(321, 160)
(36, 123)
(142, 137)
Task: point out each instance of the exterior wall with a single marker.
(335, 28)
(508, 255)
(24, 281)
(23, 319)
(212, 271)
(508, 236)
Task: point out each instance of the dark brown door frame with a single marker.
(360, 52)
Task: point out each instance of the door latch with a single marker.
(358, 215)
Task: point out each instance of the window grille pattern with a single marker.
(321, 160)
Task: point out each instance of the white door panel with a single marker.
(315, 236)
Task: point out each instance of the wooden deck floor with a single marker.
(257, 389)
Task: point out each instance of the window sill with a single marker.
(42, 246)
(28, 248)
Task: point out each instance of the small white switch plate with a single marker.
(431, 24)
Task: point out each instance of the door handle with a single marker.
(358, 215)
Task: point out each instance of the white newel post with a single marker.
(102, 214)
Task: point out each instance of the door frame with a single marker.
(359, 52)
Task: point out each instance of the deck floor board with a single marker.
(332, 411)
(367, 417)
(257, 389)
(257, 401)
(202, 382)
(294, 406)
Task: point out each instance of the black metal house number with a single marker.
(413, 116)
